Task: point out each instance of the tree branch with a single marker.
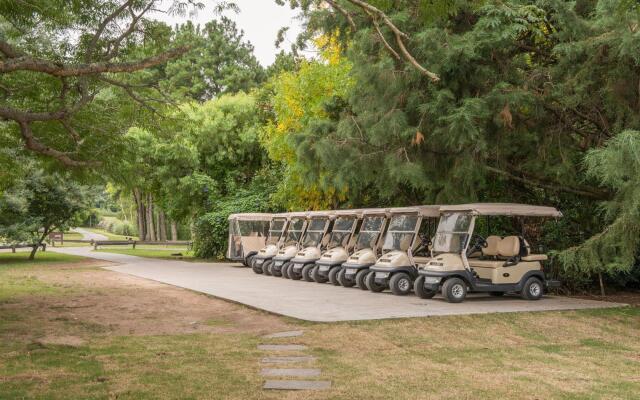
(342, 11)
(56, 69)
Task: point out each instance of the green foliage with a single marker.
(118, 227)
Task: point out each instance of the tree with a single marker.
(220, 62)
(39, 205)
(61, 63)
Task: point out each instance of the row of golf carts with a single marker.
(427, 249)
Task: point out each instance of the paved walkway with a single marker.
(88, 235)
(312, 301)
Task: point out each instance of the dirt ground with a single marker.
(117, 304)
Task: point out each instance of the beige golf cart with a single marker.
(275, 239)
(313, 243)
(340, 245)
(407, 243)
(366, 249)
(290, 246)
(464, 261)
(247, 235)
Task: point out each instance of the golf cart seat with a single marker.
(492, 246)
(474, 262)
(507, 249)
(535, 257)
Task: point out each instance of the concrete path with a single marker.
(312, 301)
(88, 235)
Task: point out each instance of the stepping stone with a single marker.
(284, 334)
(299, 372)
(282, 347)
(297, 385)
(284, 360)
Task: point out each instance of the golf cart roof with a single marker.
(425, 211)
(280, 215)
(298, 214)
(342, 213)
(321, 214)
(251, 217)
(508, 209)
(374, 211)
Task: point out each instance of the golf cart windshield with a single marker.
(275, 230)
(314, 233)
(369, 232)
(341, 233)
(402, 229)
(246, 234)
(452, 233)
(294, 232)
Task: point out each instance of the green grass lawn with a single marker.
(150, 252)
(21, 258)
(590, 354)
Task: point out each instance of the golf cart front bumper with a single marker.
(278, 263)
(433, 279)
(324, 267)
(350, 270)
(382, 274)
(297, 264)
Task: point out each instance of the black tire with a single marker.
(454, 290)
(275, 272)
(533, 289)
(401, 284)
(266, 267)
(342, 279)
(296, 276)
(285, 270)
(420, 291)
(370, 281)
(361, 276)
(306, 272)
(315, 273)
(496, 294)
(254, 266)
(333, 275)
(249, 260)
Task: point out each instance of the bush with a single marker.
(118, 227)
(211, 230)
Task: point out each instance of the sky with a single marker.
(259, 19)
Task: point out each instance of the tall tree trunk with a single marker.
(151, 231)
(141, 212)
(162, 226)
(39, 243)
(174, 231)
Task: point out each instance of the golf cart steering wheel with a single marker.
(479, 243)
(425, 240)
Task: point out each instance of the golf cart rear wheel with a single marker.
(361, 276)
(315, 273)
(285, 270)
(255, 268)
(266, 267)
(342, 279)
(533, 289)
(420, 291)
(306, 272)
(401, 284)
(454, 290)
(333, 275)
(371, 283)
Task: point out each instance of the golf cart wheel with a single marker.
(496, 294)
(371, 283)
(342, 279)
(315, 273)
(255, 268)
(306, 272)
(361, 276)
(333, 275)
(454, 290)
(401, 284)
(296, 276)
(285, 270)
(249, 260)
(266, 268)
(420, 291)
(275, 272)
(533, 289)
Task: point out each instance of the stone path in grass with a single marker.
(288, 370)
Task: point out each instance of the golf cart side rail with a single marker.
(506, 209)
(252, 217)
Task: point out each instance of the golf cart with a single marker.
(464, 261)
(291, 244)
(275, 238)
(338, 249)
(313, 244)
(366, 248)
(406, 244)
(247, 235)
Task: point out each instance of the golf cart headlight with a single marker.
(431, 279)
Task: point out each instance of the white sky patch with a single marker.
(259, 19)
